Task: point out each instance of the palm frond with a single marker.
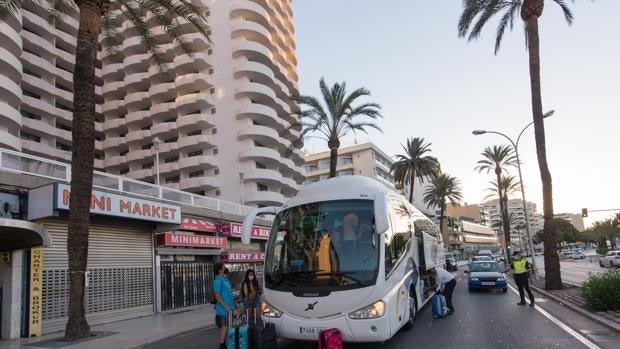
(506, 21)
(58, 8)
(568, 14)
(110, 36)
(491, 8)
(471, 9)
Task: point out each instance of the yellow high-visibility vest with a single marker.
(520, 266)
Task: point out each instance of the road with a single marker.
(573, 271)
(481, 320)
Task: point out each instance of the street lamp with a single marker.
(515, 145)
(156, 143)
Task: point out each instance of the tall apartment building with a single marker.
(220, 121)
(466, 212)
(491, 216)
(576, 219)
(361, 159)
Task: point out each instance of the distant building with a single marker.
(360, 159)
(574, 218)
(467, 212)
(468, 238)
(491, 217)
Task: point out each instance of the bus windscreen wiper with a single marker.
(346, 274)
(281, 277)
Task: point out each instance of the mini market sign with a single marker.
(103, 203)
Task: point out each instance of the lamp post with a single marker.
(515, 145)
(156, 143)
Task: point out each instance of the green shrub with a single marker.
(601, 292)
(602, 251)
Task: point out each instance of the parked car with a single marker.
(611, 260)
(576, 255)
(479, 258)
(484, 275)
(451, 264)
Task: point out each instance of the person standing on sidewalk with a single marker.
(521, 270)
(250, 295)
(446, 282)
(225, 301)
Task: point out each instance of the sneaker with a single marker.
(532, 304)
(521, 303)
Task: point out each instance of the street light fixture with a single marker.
(156, 143)
(515, 146)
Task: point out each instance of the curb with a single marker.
(594, 317)
(181, 333)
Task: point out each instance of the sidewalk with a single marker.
(128, 333)
(571, 298)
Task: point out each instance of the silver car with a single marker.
(611, 260)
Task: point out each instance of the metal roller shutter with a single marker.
(120, 262)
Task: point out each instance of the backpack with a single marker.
(212, 298)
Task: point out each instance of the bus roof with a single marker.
(339, 188)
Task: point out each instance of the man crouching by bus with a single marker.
(446, 283)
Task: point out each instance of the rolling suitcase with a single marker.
(262, 336)
(440, 309)
(330, 339)
(237, 336)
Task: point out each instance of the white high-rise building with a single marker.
(220, 121)
(491, 216)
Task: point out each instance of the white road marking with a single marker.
(562, 325)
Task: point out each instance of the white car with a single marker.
(611, 260)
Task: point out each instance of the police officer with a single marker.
(521, 270)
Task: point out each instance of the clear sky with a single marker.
(435, 85)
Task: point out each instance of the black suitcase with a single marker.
(262, 336)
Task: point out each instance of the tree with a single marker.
(530, 11)
(566, 231)
(98, 20)
(414, 164)
(497, 159)
(443, 188)
(605, 230)
(335, 118)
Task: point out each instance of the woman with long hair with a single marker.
(250, 294)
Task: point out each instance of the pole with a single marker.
(527, 216)
(157, 163)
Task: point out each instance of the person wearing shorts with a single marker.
(225, 301)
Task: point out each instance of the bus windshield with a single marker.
(323, 246)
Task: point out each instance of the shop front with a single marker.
(184, 259)
(239, 257)
(119, 279)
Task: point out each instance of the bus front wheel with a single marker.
(413, 312)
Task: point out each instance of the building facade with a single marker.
(491, 217)
(574, 218)
(360, 159)
(219, 122)
(467, 212)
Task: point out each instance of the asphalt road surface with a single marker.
(481, 320)
(573, 271)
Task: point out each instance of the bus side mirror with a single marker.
(381, 213)
(248, 222)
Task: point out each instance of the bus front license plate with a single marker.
(488, 284)
(310, 330)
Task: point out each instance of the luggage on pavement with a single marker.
(237, 336)
(440, 308)
(330, 339)
(261, 336)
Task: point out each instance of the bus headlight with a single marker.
(269, 310)
(375, 310)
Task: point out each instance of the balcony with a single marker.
(198, 183)
(263, 94)
(113, 90)
(266, 176)
(137, 136)
(10, 91)
(252, 31)
(136, 63)
(132, 46)
(140, 155)
(190, 102)
(195, 122)
(9, 116)
(114, 108)
(34, 63)
(137, 118)
(263, 114)
(186, 64)
(162, 92)
(114, 161)
(191, 143)
(164, 130)
(261, 154)
(198, 162)
(267, 198)
(136, 82)
(113, 143)
(262, 134)
(112, 72)
(250, 11)
(9, 36)
(163, 111)
(9, 141)
(137, 100)
(192, 82)
(254, 51)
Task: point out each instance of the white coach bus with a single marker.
(347, 253)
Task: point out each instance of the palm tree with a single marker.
(442, 189)
(497, 159)
(413, 164)
(98, 20)
(335, 118)
(530, 11)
